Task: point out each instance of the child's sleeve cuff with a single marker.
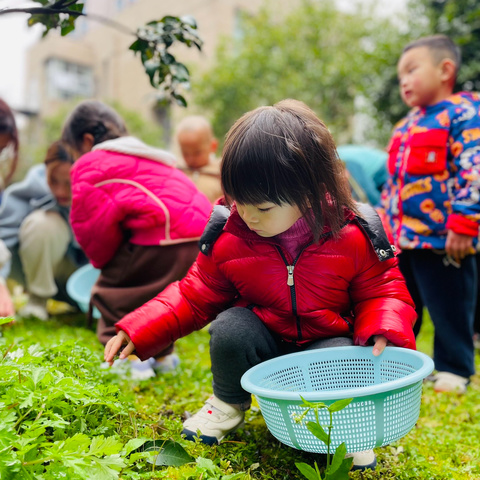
(462, 225)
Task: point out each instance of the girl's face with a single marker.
(58, 177)
(268, 219)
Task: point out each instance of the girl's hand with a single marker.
(114, 345)
(380, 344)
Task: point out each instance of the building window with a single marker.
(67, 80)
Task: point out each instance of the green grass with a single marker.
(445, 444)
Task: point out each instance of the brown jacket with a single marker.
(207, 179)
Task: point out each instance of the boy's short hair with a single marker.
(441, 47)
(194, 123)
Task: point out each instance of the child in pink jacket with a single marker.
(136, 216)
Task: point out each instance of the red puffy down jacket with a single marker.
(339, 287)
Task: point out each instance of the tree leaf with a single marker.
(179, 99)
(139, 45)
(189, 20)
(66, 29)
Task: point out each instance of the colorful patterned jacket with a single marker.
(434, 167)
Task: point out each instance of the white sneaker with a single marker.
(363, 460)
(449, 382)
(168, 363)
(35, 307)
(215, 420)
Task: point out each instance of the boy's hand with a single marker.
(458, 246)
(114, 345)
(380, 344)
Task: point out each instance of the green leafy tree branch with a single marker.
(152, 43)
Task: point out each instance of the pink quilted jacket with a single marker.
(126, 189)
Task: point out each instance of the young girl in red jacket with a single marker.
(292, 264)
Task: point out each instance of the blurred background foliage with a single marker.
(318, 54)
(341, 64)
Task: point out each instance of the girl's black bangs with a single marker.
(256, 179)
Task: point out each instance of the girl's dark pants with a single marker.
(238, 341)
(449, 293)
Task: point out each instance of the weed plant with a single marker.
(62, 416)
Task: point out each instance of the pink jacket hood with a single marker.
(123, 189)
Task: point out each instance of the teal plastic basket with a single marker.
(386, 392)
(79, 287)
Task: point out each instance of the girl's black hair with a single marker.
(95, 118)
(286, 154)
(59, 152)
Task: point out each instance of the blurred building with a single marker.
(94, 61)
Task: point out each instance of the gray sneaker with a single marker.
(215, 420)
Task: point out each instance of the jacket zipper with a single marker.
(348, 322)
(291, 285)
(291, 281)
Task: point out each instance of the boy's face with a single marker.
(269, 219)
(196, 147)
(421, 80)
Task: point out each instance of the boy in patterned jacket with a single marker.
(432, 203)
